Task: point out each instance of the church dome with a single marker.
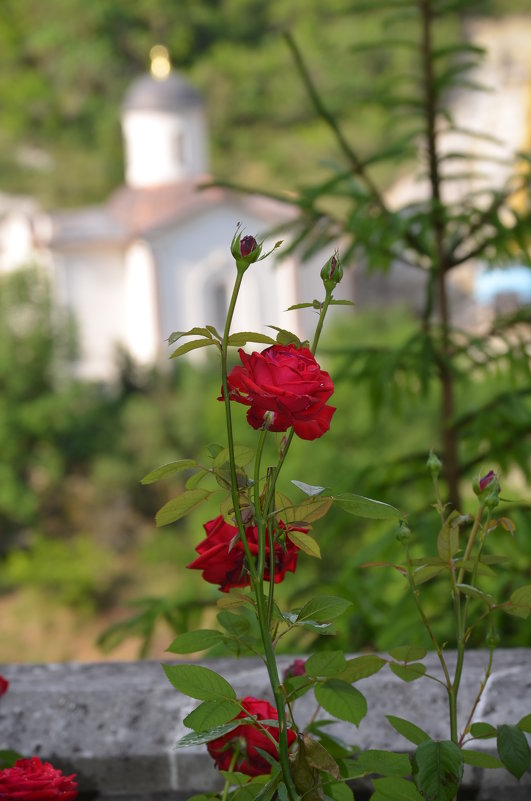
(173, 93)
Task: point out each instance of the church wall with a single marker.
(91, 284)
(196, 274)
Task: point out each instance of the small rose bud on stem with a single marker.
(332, 272)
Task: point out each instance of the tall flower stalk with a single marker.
(257, 539)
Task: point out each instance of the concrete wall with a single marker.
(115, 724)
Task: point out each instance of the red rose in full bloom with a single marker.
(33, 780)
(283, 386)
(222, 555)
(246, 739)
(4, 684)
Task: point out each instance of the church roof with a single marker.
(173, 93)
(133, 212)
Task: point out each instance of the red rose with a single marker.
(33, 780)
(222, 555)
(4, 684)
(284, 386)
(246, 739)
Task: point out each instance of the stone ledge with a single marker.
(115, 724)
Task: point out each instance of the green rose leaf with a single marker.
(338, 791)
(513, 749)
(181, 506)
(341, 700)
(520, 602)
(199, 682)
(408, 730)
(202, 737)
(285, 337)
(193, 345)
(395, 789)
(361, 667)
(483, 730)
(474, 592)
(326, 663)
(384, 762)
(408, 653)
(366, 507)
(306, 543)
(192, 641)
(212, 713)
(525, 723)
(437, 769)
(479, 759)
(323, 609)
(243, 337)
(312, 509)
(8, 758)
(193, 332)
(427, 572)
(242, 456)
(409, 672)
(168, 470)
(448, 538)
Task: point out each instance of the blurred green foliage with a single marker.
(76, 525)
(65, 66)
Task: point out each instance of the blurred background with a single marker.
(361, 132)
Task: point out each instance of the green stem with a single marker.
(259, 517)
(461, 630)
(228, 420)
(278, 691)
(427, 625)
(480, 693)
(231, 768)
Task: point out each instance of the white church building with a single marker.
(156, 256)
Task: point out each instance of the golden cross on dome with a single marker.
(160, 62)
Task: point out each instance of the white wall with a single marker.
(194, 264)
(91, 284)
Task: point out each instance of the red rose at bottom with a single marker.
(246, 739)
(33, 780)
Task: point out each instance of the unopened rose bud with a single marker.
(493, 639)
(297, 668)
(484, 481)
(403, 534)
(245, 250)
(247, 245)
(487, 489)
(332, 272)
(434, 464)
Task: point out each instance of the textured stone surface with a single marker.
(116, 724)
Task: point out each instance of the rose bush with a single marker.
(33, 780)
(222, 555)
(244, 740)
(283, 386)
